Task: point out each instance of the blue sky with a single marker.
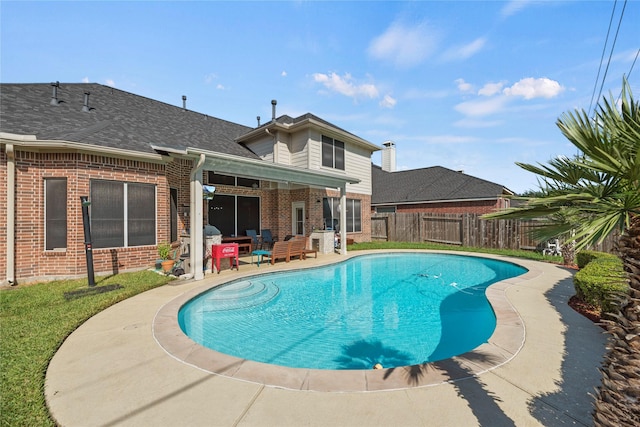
(473, 85)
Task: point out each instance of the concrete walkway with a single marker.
(116, 370)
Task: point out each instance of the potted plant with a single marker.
(164, 252)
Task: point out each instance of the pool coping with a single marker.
(503, 345)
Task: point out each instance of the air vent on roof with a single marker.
(258, 118)
(54, 97)
(273, 109)
(85, 107)
(184, 102)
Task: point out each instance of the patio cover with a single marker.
(250, 168)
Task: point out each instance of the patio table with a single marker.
(259, 253)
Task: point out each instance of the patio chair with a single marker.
(279, 250)
(255, 242)
(552, 247)
(267, 238)
(297, 247)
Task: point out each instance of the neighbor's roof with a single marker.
(431, 184)
(117, 119)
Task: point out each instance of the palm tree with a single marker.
(595, 194)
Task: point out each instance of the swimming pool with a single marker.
(395, 309)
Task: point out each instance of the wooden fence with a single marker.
(461, 229)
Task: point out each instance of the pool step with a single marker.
(240, 295)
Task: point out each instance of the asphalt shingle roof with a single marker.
(117, 119)
(429, 185)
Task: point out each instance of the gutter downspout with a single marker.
(197, 238)
(343, 220)
(11, 214)
(275, 145)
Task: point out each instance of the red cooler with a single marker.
(224, 250)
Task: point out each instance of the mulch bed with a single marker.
(587, 310)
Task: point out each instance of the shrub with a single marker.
(164, 250)
(601, 279)
(585, 257)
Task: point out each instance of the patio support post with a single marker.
(197, 238)
(343, 220)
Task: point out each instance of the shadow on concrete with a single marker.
(482, 402)
(365, 354)
(584, 349)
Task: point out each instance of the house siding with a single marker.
(263, 147)
(358, 165)
(299, 150)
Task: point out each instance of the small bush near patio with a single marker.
(35, 320)
(600, 280)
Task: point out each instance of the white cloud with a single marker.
(388, 102)
(464, 86)
(530, 88)
(209, 78)
(283, 74)
(404, 46)
(346, 86)
(110, 82)
(465, 51)
(220, 87)
(491, 89)
(513, 7)
(85, 80)
(484, 107)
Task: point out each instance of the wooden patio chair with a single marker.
(297, 247)
(278, 251)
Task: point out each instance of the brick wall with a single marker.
(178, 176)
(474, 207)
(32, 261)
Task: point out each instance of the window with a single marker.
(122, 214)
(332, 153)
(216, 178)
(55, 213)
(331, 214)
(234, 215)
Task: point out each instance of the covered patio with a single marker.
(286, 188)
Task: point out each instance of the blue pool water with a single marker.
(395, 309)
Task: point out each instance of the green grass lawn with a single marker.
(536, 256)
(36, 319)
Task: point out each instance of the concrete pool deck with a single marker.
(129, 365)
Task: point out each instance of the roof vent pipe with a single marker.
(85, 107)
(258, 118)
(184, 102)
(273, 109)
(54, 97)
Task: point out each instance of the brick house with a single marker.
(434, 189)
(144, 166)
